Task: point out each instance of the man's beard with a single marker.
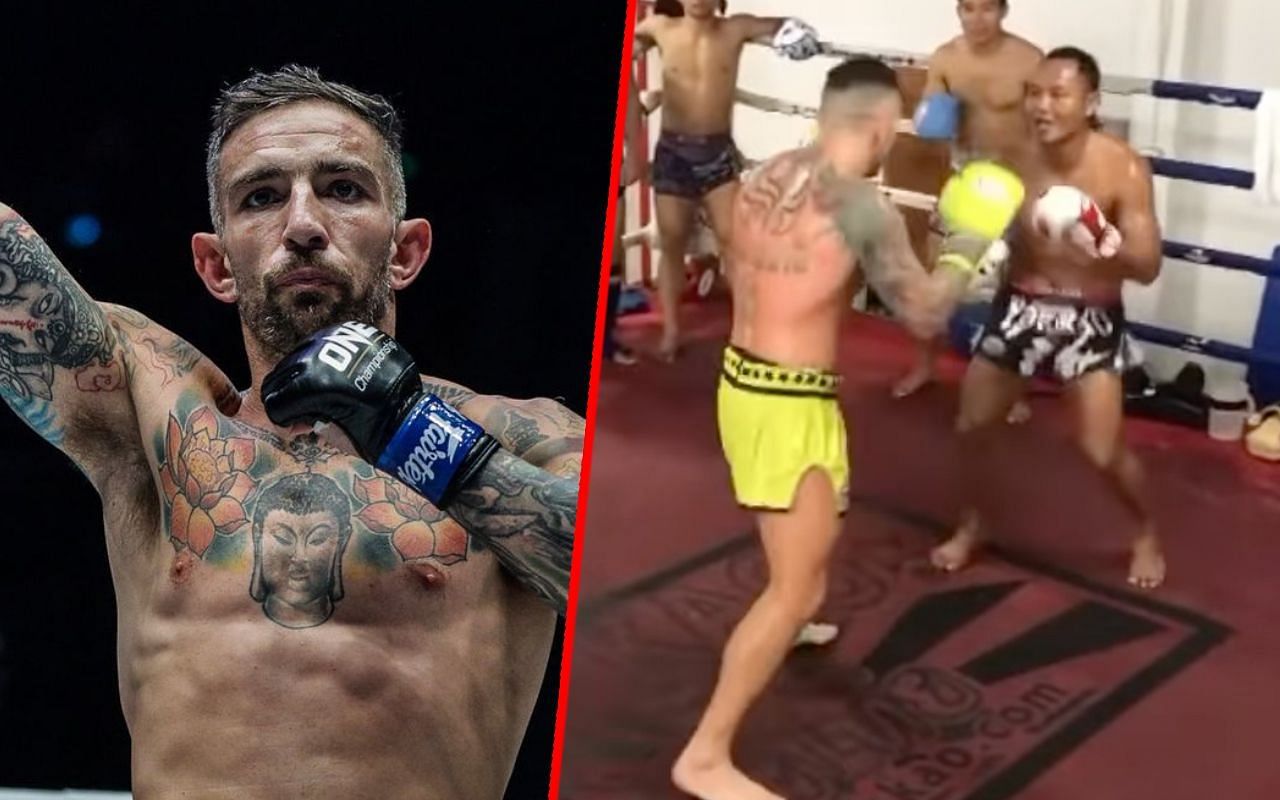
(281, 318)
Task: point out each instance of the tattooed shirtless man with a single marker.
(807, 228)
(292, 621)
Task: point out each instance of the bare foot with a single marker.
(915, 380)
(1020, 413)
(623, 356)
(956, 552)
(816, 634)
(715, 779)
(1146, 569)
(669, 347)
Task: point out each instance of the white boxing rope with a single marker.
(894, 58)
(773, 105)
(909, 199)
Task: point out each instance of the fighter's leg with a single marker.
(797, 545)
(986, 395)
(719, 205)
(612, 350)
(675, 217)
(1098, 398)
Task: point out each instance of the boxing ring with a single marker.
(988, 683)
(1261, 358)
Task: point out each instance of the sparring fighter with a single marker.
(973, 99)
(808, 227)
(351, 613)
(695, 161)
(1091, 229)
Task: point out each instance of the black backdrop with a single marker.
(509, 113)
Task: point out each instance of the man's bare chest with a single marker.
(709, 57)
(294, 520)
(986, 87)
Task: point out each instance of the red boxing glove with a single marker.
(1064, 213)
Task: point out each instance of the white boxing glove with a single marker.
(797, 40)
(1064, 213)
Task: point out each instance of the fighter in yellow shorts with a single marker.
(807, 227)
(776, 424)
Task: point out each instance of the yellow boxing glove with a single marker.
(976, 207)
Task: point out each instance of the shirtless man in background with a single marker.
(1061, 307)
(292, 622)
(695, 162)
(977, 79)
(807, 228)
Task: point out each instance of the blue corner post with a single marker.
(1265, 379)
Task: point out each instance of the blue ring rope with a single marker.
(1201, 173)
(1198, 344)
(1221, 258)
(1202, 93)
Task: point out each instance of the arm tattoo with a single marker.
(46, 322)
(451, 393)
(526, 516)
(860, 214)
(877, 235)
(167, 353)
(537, 431)
(170, 355)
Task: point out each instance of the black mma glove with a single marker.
(360, 379)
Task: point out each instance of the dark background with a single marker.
(508, 112)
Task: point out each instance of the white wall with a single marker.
(1228, 42)
(1231, 43)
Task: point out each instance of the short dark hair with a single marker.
(1086, 65)
(1003, 3)
(673, 8)
(861, 72)
(264, 91)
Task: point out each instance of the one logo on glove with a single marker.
(341, 346)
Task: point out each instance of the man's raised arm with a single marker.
(61, 366)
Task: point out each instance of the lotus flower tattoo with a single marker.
(205, 481)
(419, 531)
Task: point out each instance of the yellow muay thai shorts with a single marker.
(776, 423)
